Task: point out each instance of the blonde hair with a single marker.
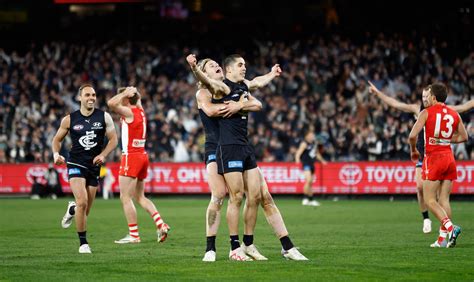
(202, 66)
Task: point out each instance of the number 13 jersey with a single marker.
(440, 125)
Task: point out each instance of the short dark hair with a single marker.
(440, 91)
(230, 59)
(79, 92)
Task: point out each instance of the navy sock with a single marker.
(248, 240)
(211, 243)
(82, 237)
(425, 215)
(286, 243)
(72, 210)
(234, 242)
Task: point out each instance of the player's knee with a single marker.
(217, 199)
(125, 197)
(236, 198)
(255, 200)
(430, 202)
(81, 205)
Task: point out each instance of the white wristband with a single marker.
(55, 155)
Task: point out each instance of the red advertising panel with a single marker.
(282, 178)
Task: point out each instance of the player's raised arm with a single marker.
(215, 86)
(420, 123)
(111, 144)
(58, 139)
(394, 103)
(263, 80)
(460, 135)
(116, 102)
(463, 107)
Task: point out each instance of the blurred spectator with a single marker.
(53, 185)
(322, 85)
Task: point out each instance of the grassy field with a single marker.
(345, 240)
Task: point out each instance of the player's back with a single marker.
(134, 133)
(440, 126)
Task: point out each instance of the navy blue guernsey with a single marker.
(87, 135)
(211, 128)
(309, 154)
(420, 142)
(233, 130)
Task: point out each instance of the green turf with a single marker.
(345, 240)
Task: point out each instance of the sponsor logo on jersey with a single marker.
(78, 127)
(87, 141)
(73, 171)
(96, 125)
(235, 164)
(138, 143)
(439, 141)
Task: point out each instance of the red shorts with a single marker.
(134, 165)
(441, 166)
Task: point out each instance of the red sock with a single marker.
(157, 218)
(447, 224)
(133, 230)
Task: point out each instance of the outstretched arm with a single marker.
(419, 124)
(394, 103)
(463, 107)
(261, 81)
(215, 86)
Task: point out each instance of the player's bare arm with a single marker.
(300, 151)
(246, 103)
(204, 100)
(394, 103)
(460, 135)
(261, 81)
(111, 144)
(463, 107)
(419, 124)
(116, 103)
(58, 139)
(216, 87)
(320, 158)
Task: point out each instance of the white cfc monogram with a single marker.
(86, 141)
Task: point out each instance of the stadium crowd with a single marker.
(323, 85)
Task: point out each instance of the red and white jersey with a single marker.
(440, 126)
(134, 133)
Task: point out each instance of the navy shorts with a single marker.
(209, 157)
(91, 175)
(420, 161)
(210, 150)
(308, 166)
(235, 158)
